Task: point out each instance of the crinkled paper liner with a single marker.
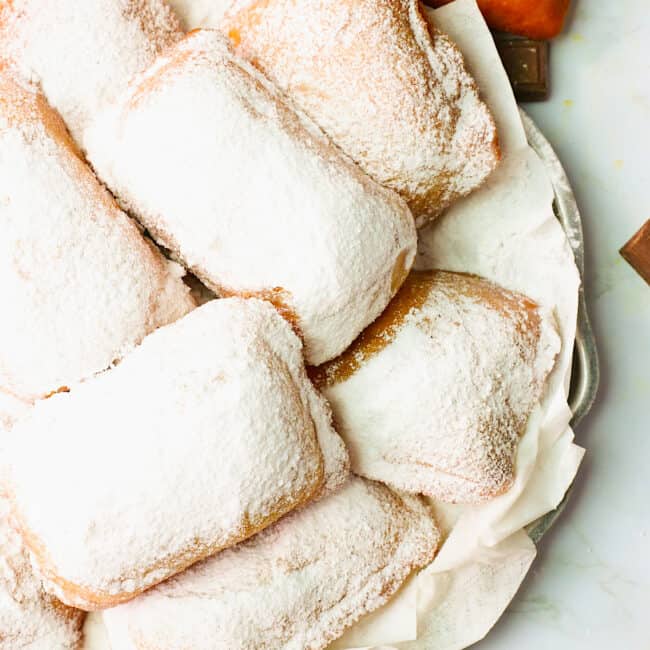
(507, 232)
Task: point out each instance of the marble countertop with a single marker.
(590, 585)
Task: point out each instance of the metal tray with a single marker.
(585, 372)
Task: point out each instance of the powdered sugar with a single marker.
(83, 54)
(190, 448)
(251, 196)
(28, 616)
(392, 95)
(80, 284)
(295, 586)
(434, 396)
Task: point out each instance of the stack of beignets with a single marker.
(434, 395)
(176, 463)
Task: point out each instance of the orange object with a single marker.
(533, 18)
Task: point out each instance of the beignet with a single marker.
(188, 448)
(295, 586)
(80, 284)
(434, 395)
(395, 96)
(251, 196)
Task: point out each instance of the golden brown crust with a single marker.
(413, 294)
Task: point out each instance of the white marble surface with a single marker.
(590, 586)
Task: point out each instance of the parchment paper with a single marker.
(507, 232)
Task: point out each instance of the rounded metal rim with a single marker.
(585, 372)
